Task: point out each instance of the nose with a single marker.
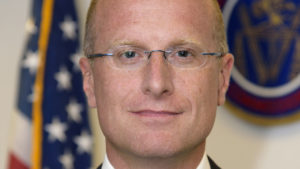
(157, 76)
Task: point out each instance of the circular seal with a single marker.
(264, 37)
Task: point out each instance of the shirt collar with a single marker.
(204, 164)
(106, 163)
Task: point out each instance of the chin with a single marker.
(164, 147)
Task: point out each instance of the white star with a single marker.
(68, 26)
(63, 78)
(75, 59)
(84, 142)
(56, 130)
(33, 96)
(67, 160)
(31, 61)
(30, 26)
(74, 109)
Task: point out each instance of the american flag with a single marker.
(51, 126)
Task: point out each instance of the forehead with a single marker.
(153, 21)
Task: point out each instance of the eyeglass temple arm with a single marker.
(218, 54)
(99, 55)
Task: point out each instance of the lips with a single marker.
(154, 113)
(156, 118)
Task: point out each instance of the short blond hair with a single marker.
(89, 37)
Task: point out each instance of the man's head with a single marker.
(157, 110)
(90, 32)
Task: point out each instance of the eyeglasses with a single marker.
(131, 57)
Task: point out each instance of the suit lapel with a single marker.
(212, 164)
(100, 166)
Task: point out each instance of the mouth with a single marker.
(157, 118)
(154, 113)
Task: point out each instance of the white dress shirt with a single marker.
(204, 164)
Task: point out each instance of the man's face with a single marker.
(157, 110)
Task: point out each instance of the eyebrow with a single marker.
(125, 43)
(178, 42)
(187, 42)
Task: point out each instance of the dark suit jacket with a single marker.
(213, 165)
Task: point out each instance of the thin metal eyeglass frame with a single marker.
(218, 54)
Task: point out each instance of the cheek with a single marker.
(201, 89)
(112, 89)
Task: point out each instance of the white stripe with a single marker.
(21, 144)
(263, 91)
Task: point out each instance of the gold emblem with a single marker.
(270, 41)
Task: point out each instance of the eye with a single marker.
(183, 56)
(129, 54)
(183, 53)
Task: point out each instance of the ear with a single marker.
(224, 77)
(88, 81)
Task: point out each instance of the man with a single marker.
(156, 70)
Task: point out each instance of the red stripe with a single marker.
(268, 106)
(15, 163)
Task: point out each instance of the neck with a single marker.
(184, 160)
